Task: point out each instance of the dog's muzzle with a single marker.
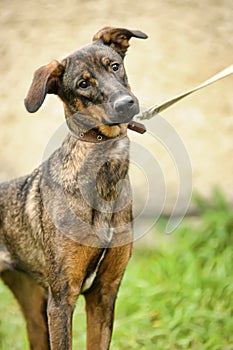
(125, 107)
(123, 104)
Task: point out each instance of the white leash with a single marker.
(152, 111)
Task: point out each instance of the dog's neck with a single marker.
(103, 132)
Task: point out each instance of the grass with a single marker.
(177, 296)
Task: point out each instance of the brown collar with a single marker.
(96, 137)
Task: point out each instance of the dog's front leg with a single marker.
(65, 282)
(100, 300)
(60, 313)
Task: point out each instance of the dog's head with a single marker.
(92, 83)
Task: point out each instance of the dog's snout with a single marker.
(123, 104)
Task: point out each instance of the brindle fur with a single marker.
(54, 230)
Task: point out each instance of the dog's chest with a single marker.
(96, 172)
(88, 282)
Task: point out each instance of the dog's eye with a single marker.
(115, 67)
(83, 84)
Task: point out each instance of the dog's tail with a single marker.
(5, 259)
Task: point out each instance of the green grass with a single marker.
(177, 296)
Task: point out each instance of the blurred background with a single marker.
(189, 41)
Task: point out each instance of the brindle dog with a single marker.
(66, 229)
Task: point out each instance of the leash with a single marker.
(154, 110)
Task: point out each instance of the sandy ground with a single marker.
(188, 42)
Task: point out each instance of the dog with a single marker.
(66, 229)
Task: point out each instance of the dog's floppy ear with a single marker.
(45, 81)
(118, 38)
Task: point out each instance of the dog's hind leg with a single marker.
(33, 301)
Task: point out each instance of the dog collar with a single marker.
(96, 137)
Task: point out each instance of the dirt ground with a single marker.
(188, 42)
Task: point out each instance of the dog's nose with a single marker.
(123, 104)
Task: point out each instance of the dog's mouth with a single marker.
(109, 118)
(112, 124)
(118, 120)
